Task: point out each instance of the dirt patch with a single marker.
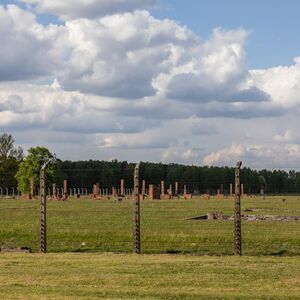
(221, 216)
(269, 218)
(16, 249)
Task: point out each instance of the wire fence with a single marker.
(173, 219)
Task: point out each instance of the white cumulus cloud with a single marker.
(259, 156)
(73, 9)
(28, 49)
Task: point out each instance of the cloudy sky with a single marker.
(195, 82)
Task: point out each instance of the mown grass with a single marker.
(82, 225)
(129, 276)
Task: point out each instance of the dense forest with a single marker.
(16, 169)
(199, 179)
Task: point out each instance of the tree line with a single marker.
(200, 179)
(16, 170)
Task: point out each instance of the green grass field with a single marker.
(269, 269)
(84, 225)
(129, 276)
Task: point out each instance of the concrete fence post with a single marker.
(137, 216)
(237, 212)
(43, 207)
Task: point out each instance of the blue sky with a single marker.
(128, 80)
(274, 24)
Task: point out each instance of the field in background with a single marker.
(129, 276)
(84, 225)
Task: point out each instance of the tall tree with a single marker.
(30, 168)
(8, 150)
(10, 157)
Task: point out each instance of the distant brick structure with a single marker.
(169, 194)
(188, 196)
(153, 193)
(170, 191)
(122, 189)
(206, 195)
(54, 191)
(185, 194)
(184, 190)
(144, 187)
(162, 188)
(96, 190)
(114, 192)
(65, 197)
(176, 188)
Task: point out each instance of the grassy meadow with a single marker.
(86, 225)
(105, 268)
(129, 276)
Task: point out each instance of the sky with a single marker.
(273, 25)
(193, 82)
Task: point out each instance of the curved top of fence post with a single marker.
(136, 169)
(47, 162)
(239, 164)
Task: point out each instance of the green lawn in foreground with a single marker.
(106, 226)
(129, 276)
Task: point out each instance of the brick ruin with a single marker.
(65, 196)
(186, 195)
(122, 190)
(154, 192)
(176, 189)
(54, 191)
